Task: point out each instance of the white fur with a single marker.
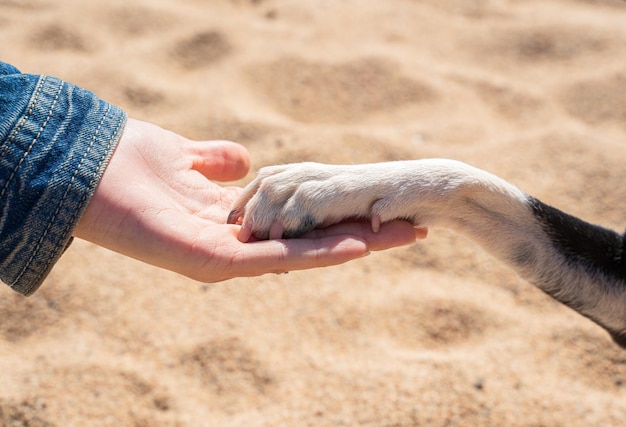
(292, 199)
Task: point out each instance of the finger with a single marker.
(391, 234)
(300, 254)
(421, 232)
(220, 160)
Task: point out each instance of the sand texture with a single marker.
(434, 334)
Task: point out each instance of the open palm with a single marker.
(156, 203)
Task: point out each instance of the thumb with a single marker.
(220, 160)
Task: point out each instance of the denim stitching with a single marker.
(58, 208)
(60, 204)
(33, 142)
(24, 118)
(72, 221)
(93, 179)
(97, 171)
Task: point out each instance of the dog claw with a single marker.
(375, 223)
(276, 231)
(245, 233)
(234, 217)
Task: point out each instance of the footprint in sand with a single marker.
(475, 9)
(592, 359)
(58, 37)
(511, 104)
(142, 97)
(345, 92)
(361, 395)
(27, 412)
(87, 395)
(230, 370)
(435, 323)
(136, 20)
(201, 49)
(612, 3)
(539, 45)
(406, 322)
(597, 101)
(42, 312)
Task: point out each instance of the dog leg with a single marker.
(579, 264)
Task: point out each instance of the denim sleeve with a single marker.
(55, 142)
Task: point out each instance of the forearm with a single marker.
(577, 263)
(55, 142)
(592, 276)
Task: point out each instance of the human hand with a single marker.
(156, 203)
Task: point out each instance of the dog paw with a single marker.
(283, 201)
(290, 200)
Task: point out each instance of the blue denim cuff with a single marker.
(55, 142)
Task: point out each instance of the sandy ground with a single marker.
(435, 334)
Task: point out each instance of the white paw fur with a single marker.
(544, 245)
(292, 199)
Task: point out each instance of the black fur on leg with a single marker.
(595, 248)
